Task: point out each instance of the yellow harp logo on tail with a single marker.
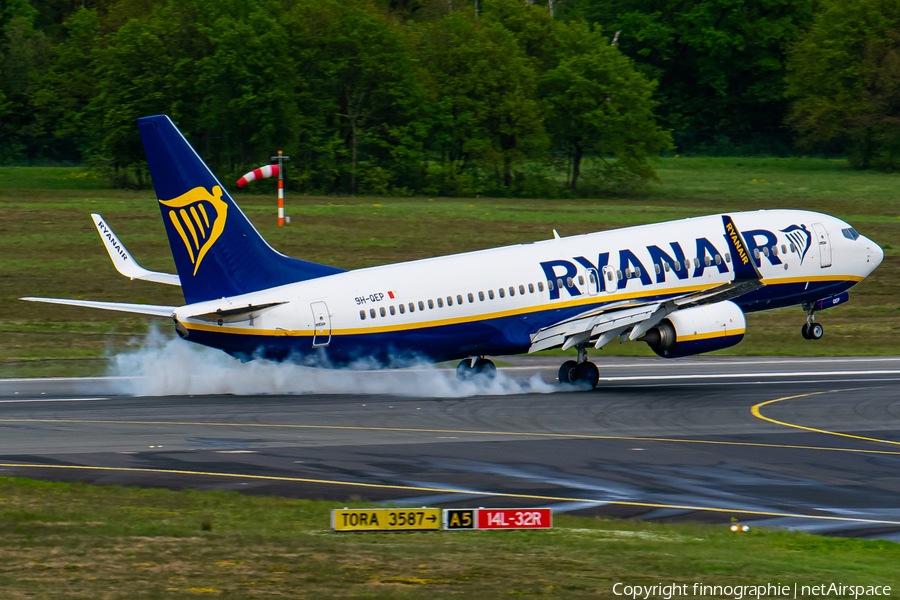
(199, 218)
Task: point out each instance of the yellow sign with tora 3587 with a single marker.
(385, 519)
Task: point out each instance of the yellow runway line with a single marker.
(465, 431)
(452, 491)
(756, 413)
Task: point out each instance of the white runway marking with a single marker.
(745, 375)
(19, 400)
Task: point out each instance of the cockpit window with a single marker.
(850, 233)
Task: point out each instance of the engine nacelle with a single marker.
(697, 330)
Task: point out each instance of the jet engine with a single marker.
(697, 330)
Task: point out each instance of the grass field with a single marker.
(49, 247)
(77, 541)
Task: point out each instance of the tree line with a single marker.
(444, 97)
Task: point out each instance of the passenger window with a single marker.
(422, 305)
(580, 280)
(402, 309)
(512, 291)
(412, 307)
(431, 303)
(540, 286)
(756, 253)
(471, 298)
(393, 310)
(501, 292)
(637, 271)
(666, 265)
(440, 303)
(687, 264)
(707, 260)
(619, 274)
(382, 311)
(783, 249)
(459, 298)
(372, 312)
(727, 257)
(718, 259)
(774, 250)
(559, 283)
(677, 265)
(696, 263)
(481, 296)
(491, 294)
(628, 273)
(522, 289)
(362, 315)
(656, 268)
(449, 300)
(793, 247)
(766, 251)
(550, 285)
(530, 288)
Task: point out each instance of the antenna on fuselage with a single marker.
(556, 235)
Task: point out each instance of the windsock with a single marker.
(260, 173)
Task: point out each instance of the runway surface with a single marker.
(806, 443)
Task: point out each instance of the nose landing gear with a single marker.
(580, 371)
(811, 330)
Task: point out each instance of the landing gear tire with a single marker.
(575, 372)
(485, 367)
(588, 373)
(465, 370)
(567, 372)
(815, 331)
(805, 331)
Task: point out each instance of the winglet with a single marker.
(744, 268)
(122, 259)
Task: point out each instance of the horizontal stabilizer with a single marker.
(122, 259)
(233, 315)
(141, 309)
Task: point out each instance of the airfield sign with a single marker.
(385, 519)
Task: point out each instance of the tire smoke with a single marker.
(169, 366)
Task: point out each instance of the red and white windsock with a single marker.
(260, 173)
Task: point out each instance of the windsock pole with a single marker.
(281, 158)
(280, 188)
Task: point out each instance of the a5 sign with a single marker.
(498, 518)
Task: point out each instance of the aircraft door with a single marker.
(322, 324)
(824, 244)
(610, 284)
(593, 280)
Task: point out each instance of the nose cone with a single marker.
(876, 254)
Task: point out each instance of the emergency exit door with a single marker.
(321, 323)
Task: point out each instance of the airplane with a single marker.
(682, 287)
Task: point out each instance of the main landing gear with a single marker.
(470, 367)
(811, 330)
(580, 370)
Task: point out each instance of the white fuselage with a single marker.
(452, 305)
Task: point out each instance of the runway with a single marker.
(805, 443)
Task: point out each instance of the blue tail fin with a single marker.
(217, 250)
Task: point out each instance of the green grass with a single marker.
(78, 541)
(49, 247)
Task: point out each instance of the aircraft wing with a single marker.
(635, 318)
(122, 259)
(141, 309)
